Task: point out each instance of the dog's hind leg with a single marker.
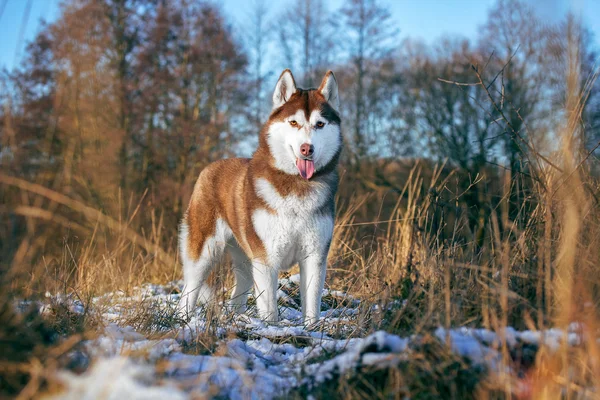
(196, 271)
(242, 268)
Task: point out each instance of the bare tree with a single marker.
(515, 40)
(127, 93)
(371, 35)
(454, 123)
(258, 37)
(124, 22)
(572, 54)
(307, 29)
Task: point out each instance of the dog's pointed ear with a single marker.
(329, 90)
(285, 88)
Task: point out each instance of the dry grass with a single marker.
(537, 273)
(540, 273)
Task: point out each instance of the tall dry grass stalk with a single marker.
(571, 251)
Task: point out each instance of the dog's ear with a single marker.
(329, 90)
(285, 88)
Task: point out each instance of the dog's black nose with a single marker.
(307, 150)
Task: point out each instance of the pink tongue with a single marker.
(306, 167)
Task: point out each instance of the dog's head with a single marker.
(303, 132)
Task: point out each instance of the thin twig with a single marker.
(526, 142)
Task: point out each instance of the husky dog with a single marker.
(273, 210)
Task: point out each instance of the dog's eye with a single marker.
(320, 124)
(294, 123)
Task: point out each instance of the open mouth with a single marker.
(306, 167)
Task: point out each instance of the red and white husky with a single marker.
(273, 210)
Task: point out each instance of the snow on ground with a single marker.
(251, 359)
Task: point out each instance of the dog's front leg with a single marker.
(312, 280)
(265, 291)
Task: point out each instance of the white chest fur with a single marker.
(296, 230)
(293, 204)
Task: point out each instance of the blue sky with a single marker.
(424, 19)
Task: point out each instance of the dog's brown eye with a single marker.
(320, 124)
(294, 123)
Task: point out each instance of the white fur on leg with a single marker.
(313, 267)
(312, 281)
(242, 268)
(265, 291)
(195, 272)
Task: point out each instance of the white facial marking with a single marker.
(285, 140)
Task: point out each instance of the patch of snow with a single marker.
(465, 345)
(268, 362)
(378, 342)
(114, 379)
(126, 333)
